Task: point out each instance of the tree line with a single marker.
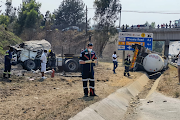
(70, 13)
(27, 18)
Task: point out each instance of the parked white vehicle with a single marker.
(174, 49)
(177, 23)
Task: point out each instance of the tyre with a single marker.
(30, 65)
(71, 65)
(60, 68)
(154, 75)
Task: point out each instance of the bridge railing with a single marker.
(162, 28)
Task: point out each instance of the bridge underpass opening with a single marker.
(158, 46)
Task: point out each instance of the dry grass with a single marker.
(176, 94)
(56, 98)
(168, 85)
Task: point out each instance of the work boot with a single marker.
(124, 74)
(4, 75)
(86, 92)
(128, 74)
(92, 93)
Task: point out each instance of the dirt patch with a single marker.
(168, 84)
(59, 98)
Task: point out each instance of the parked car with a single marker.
(138, 27)
(72, 28)
(118, 29)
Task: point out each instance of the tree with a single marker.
(4, 20)
(147, 23)
(158, 46)
(49, 19)
(29, 16)
(153, 25)
(106, 15)
(10, 12)
(70, 13)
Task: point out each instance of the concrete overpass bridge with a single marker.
(161, 34)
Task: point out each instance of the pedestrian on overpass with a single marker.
(88, 60)
(127, 63)
(115, 63)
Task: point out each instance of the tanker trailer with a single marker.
(174, 49)
(146, 60)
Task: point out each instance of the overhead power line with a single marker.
(91, 8)
(156, 12)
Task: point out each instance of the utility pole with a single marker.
(86, 19)
(120, 28)
(0, 7)
(120, 16)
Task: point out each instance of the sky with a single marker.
(130, 18)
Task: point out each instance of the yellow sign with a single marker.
(121, 43)
(143, 35)
(133, 43)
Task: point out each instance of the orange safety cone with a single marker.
(53, 72)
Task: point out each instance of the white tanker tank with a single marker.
(153, 63)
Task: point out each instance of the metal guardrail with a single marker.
(153, 30)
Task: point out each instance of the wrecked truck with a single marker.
(149, 61)
(28, 54)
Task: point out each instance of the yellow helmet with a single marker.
(49, 50)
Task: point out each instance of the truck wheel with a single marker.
(60, 68)
(71, 65)
(154, 75)
(30, 65)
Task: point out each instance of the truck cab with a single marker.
(177, 23)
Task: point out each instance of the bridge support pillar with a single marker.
(166, 47)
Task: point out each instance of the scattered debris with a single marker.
(149, 101)
(48, 72)
(31, 79)
(108, 68)
(36, 98)
(37, 71)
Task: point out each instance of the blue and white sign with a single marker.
(127, 39)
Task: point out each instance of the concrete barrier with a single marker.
(153, 88)
(115, 105)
